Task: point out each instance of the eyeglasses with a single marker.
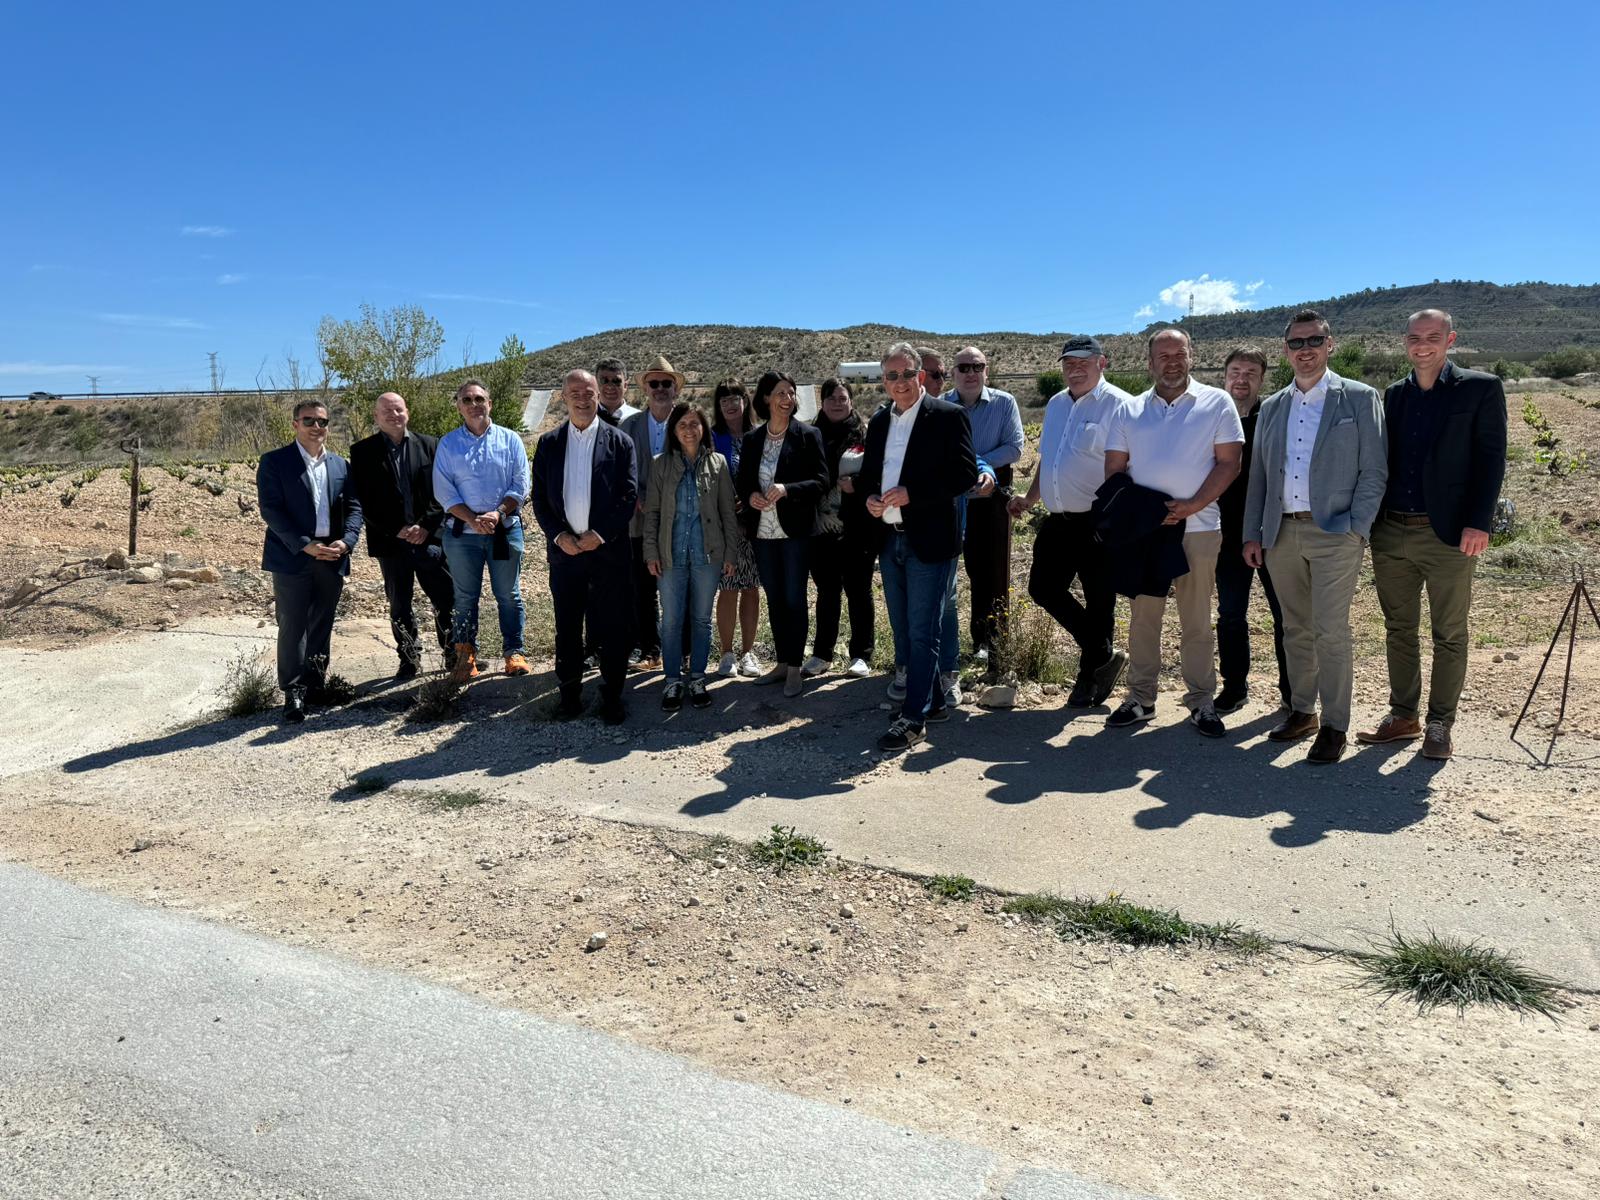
(897, 376)
(609, 381)
(657, 385)
(931, 374)
(970, 368)
(318, 422)
(1315, 340)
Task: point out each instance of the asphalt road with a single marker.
(146, 1054)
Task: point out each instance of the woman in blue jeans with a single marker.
(691, 541)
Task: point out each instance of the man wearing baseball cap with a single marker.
(1072, 455)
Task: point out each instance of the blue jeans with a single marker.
(915, 593)
(687, 593)
(950, 630)
(466, 555)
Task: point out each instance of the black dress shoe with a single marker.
(294, 706)
(1107, 674)
(1328, 747)
(612, 712)
(1231, 698)
(1295, 726)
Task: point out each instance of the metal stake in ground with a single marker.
(1580, 589)
(131, 446)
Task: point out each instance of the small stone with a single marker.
(180, 585)
(1127, 1016)
(739, 1016)
(847, 911)
(692, 902)
(816, 944)
(1266, 1074)
(117, 560)
(558, 838)
(999, 695)
(921, 1059)
(719, 862)
(1284, 1115)
(963, 926)
(141, 844)
(143, 575)
(597, 941)
(1512, 656)
(1147, 1098)
(1498, 658)
(579, 897)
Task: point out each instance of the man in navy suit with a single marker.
(584, 495)
(917, 465)
(313, 522)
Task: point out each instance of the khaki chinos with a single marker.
(1197, 648)
(1315, 575)
(1407, 556)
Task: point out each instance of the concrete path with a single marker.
(1047, 799)
(149, 1055)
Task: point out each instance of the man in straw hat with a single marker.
(660, 382)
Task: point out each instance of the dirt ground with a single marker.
(1190, 1073)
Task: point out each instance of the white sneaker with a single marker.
(950, 684)
(858, 668)
(728, 665)
(897, 687)
(815, 666)
(749, 666)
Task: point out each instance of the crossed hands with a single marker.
(761, 501)
(895, 497)
(327, 551)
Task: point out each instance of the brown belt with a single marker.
(1302, 515)
(1406, 518)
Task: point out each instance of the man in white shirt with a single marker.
(1183, 440)
(612, 377)
(1072, 459)
(1317, 481)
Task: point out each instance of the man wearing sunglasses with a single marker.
(1317, 478)
(612, 377)
(1447, 460)
(661, 382)
(313, 521)
(917, 463)
(997, 440)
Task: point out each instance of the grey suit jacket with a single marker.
(1349, 464)
(637, 427)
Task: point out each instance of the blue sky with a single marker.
(195, 177)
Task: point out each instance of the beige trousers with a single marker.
(1314, 574)
(1198, 646)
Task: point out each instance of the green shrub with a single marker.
(1049, 383)
(1132, 382)
(1565, 362)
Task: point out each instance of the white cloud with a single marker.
(208, 231)
(468, 298)
(1145, 310)
(1250, 289)
(1210, 295)
(226, 279)
(43, 368)
(148, 321)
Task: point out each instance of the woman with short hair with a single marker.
(691, 540)
(782, 477)
(842, 548)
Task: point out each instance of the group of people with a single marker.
(665, 525)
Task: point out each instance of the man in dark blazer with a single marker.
(660, 383)
(392, 472)
(917, 464)
(313, 522)
(584, 495)
(1447, 460)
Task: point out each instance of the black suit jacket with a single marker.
(1466, 464)
(939, 469)
(802, 469)
(283, 494)
(379, 491)
(613, 490)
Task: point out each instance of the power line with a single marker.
(94, 385)
(213, 356)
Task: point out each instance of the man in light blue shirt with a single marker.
(480, 477)
(986, 550)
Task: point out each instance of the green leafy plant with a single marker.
(783, 848)
(952, 887)
(452, 801)
(1117, 920)
(1436, 971)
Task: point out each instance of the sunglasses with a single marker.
(970, 368)
(1315, 340)
(657, 385)
(317, 422)
(608, 381)
(897, 376)
(933, 374)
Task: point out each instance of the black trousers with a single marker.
(842, 564)
(782, 565)
(987, 555)
(598, 587)
(1064, 550)
(423, 566)
(305, 602)
(645, 621)
(1233, 629)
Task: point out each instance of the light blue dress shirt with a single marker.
(996, 426)
(480, 472)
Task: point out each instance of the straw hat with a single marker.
(662, 367)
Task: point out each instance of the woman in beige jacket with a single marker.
(691, 540)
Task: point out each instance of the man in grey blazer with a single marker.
(1317, 480)
(661, 383)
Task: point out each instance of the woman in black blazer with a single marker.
(782, 477)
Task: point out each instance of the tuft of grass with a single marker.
(336, 689)
(370, 783)
(1435, 971)
(1029, 646)
(952, 887)
(188, 531)
(250, 686)
(1117, 920)
(784, 848)
(438, 698)
(452, 801)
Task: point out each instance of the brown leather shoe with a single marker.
(1391, 729)
(516, 664)
(1436, 742)
(1295, 726)
(466, 663)
(1329, 746)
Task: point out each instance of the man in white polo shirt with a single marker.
(1072, 459)
(1184, 439)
